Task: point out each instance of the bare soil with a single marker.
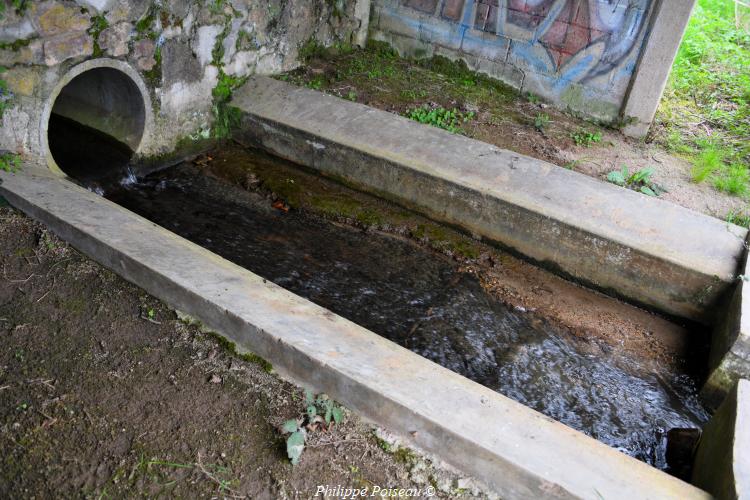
(105, 392)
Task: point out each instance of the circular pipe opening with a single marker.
(96, 122)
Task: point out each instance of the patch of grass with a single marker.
(311, 49)
(16, 45)
(216, 6)
(143, 27)
(586, 138)
(705, 113)
(717, 163)
(708, 161)
(10, 162)
(316, 83)
(446, 119)
(739, 218)
(98, 24)
(19, 6)
(733, 180)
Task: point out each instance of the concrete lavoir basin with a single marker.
(518, 452)
(579, 226)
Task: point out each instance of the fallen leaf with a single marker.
(280, 205)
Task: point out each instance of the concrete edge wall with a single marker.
(517, 451)
(729, 358)
(611, 238)
(722, 461)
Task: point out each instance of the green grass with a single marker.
(10, 162)
(586, 138)
(705, 113)
(446, 119)
(739, 218)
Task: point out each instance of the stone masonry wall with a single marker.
(578, 54)
(181, 48)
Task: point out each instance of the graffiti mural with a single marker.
(576, 40)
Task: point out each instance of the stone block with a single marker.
(114, 40)
(16, 29)
(97, 6)
(204, 45)
(54, 18)
(179, 64)
(33, 53)
(22, 80)
(127, 10)
(143, 53)
(67, 46)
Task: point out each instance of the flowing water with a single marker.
(403, 292)
(423, 302)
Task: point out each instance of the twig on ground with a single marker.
(47, 292)
(57, 264)
(223, 488)
(150, 320)
(43, 382)
(16, 281)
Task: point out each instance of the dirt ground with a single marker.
(508, 120)
(104, 392)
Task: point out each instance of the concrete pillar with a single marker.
(722, 461)
(666, 29)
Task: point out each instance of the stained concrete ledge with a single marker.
(729, 358)
(638, 247)
(722, 462)
(515, 450)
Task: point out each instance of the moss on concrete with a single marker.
(306, 190)
(244, 355)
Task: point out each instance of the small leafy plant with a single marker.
(541, 121)
(586, 138)
(10, 162)
(446, 119)
(226, 117)
(320, 414)
(316, 83)
(640, 180)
